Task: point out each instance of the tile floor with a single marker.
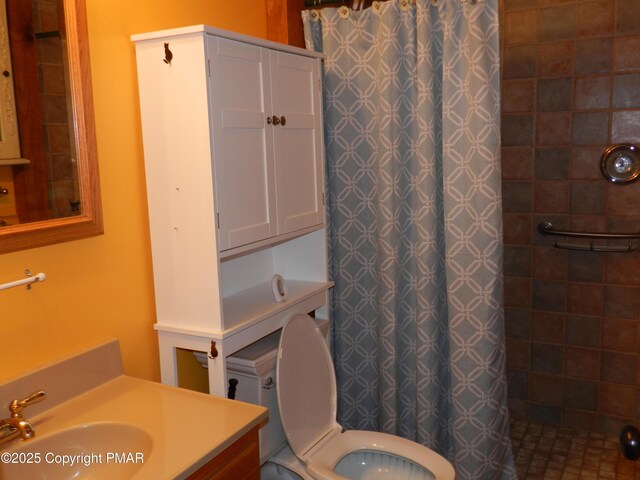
(554, 452)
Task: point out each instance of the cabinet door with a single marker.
(296, 97)
(242, 146)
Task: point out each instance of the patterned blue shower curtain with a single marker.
(412, 106)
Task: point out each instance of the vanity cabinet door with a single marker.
(241, 143)
(240, 461)
(297, 140)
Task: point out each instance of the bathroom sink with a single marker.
(109, 450)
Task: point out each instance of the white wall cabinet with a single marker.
(266, 141)
(232, 133)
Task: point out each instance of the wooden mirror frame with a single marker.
(89, 222)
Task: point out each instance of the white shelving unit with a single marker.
(232, 132)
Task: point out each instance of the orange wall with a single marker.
(103, 286)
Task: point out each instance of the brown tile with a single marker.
(583, 331)
(517, 130)
(546, 358)
(625, 127)
(57, 137)
(621, 302)
(549, 3)
(593, 56)
(556, 58)
(626, 91)
(627, 15)
(553, 128)
(548, 327)
(585, 266)
(517, 163)
(517, 323)
(520, 62)
(53, 82)
(517, 261)
(623, 200)
(592, 92)
(619, 334)
(517, 228)
(584, 299)
(520, 26)
(623, 268)
(550, 263)
(580, 394)
(587, 198)
(552, 163)
(543, 414)
(517, 196)
(518, 382)
(518, 96)
(587, 223)
(617, 400)
(626, 53)
(555, 94)
(548, 295)
(515, 4)
(545, 389)
(517, 354)
(55, 108)
(517, 292)
(551, 197)
(582, 363)
(581, 420)
(557, 23)
(585, 163)
(595, 19)
(590, 128)
(618, 367)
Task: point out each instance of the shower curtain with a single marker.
(412, 103)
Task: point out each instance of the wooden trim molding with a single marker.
(89, 223)
(284, 22)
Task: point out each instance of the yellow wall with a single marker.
(103, 286)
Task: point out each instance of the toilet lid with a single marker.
(306, 384)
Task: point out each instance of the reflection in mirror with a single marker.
(53, 195)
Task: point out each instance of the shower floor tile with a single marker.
(554, 452)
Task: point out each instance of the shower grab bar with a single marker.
(546, 228)
(39, 277)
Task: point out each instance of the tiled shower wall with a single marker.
(54, 92)
(571, 87)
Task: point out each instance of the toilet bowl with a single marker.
(307, 403)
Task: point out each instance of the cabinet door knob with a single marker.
(276, 120)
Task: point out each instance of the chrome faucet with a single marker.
(16, 426)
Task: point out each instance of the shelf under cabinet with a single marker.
(251, 306)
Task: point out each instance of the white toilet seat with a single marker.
(307, 400)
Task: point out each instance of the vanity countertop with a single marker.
(92, 408)
(187, 428)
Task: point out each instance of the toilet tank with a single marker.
(254, 367)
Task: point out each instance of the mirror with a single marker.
(87, 221)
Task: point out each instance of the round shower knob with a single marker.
(621, 163)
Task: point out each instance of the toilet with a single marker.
(318, 448)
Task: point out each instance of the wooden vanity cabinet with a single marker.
(240, 461)
(232, 133)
